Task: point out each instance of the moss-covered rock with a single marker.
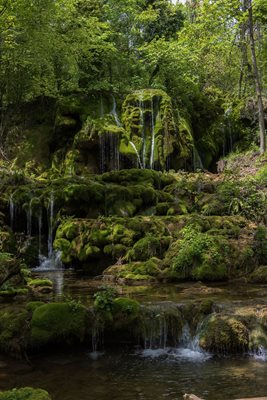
(224, 334)
(26, 393)
(61, 323)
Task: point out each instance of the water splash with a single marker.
(190, 349)
(260, 354)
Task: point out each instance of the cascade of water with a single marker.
(142, 124)
(29, 219)
(152, 136)
(102, 153)
(40, 233)
(190, 348)
(53, 259)
(197, 162)
(12, 211)
(50, 225)
(137, 154)
(228, 113)
(114, 111)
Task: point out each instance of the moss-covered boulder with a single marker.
(14, 329)
(60, 323)
(26, 393)
(224, 334)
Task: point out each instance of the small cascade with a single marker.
(260, 353)
(97, 341)
(142, 124)
(53, 260)
(189, 348)
(29, 219)
(197, 162)
(40, 233)
(12, 211)
(160, 326)
(114, 112)
(50, 225)
(137, 154)
(152, 152)
(109, 152)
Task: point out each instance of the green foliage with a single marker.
(103, 300)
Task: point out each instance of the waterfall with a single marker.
(137, 154)
(189, 348)
(12, 211)
(53, 260)
(197, 162)
(40, 233)
(29, 219)
(160, 325)
(142, 124)
(114, 111)
(50, 226)
(109, 152)
(152, 136)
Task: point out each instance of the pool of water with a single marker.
(148, 375)
(69, 284)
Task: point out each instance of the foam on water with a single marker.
(260, 354)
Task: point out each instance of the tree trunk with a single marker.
(257, 79)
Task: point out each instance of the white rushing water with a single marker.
(152, 136)
(137, 154)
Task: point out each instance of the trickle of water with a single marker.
(137, 154)
(114, 111)
(12, 211)
(29, 219)
(190, 348)
(50, 229)
(40, 233)
(152, 136)
(142, 124)
(197, 162)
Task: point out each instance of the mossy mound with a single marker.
(14, 329)
(259, 275)
(224, 334)
(60, 323)
(26, 393)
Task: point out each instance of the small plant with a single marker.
(103, 300)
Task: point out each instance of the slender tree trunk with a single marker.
(257, 79)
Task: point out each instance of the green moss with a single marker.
(26, 393)
(259, 275)
(224, 334)
(58, 323)
(13, 329)
(32, 305)
(40, 282)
